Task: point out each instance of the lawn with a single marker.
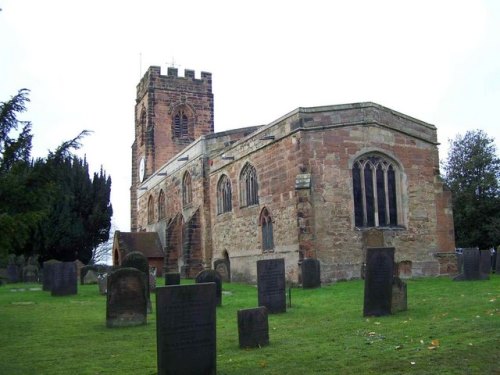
(449, 328)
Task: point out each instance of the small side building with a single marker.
(148, 243)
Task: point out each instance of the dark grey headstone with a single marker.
(271, 285)
(186, 329)
(311, 274)
(64, 279)
(47, 273)
(211, 276)
(138, 260)
(126, 300)
(172, 278)
(399, 296)
(253, 327)
(378, 281)
(460, 262)
(471, 264)
(497, 261)
(13, 273)
(484, 264)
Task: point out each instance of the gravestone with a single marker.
(253, 327)
(126, 300)
(13, 273)
(497, 268)
(172, 278)
(30, 273)
(136, 259)
(186, 329)
(484, 264)
(91, 277)
(211, 276)
(47, 273)
(64, 279)
(378, 281)
(399, 300)
(311, 275)
(222, 266)
(471, 265)
(271, 285)
(460, 262)
(102, 281)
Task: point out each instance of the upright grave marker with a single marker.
(64, 279)
(126, 299)
(311, 276)
(186, 329)
(47, 274)
(271, 284)
(475, 263)
(378, 281)
(172, 278)
(484, 264)
(211, 276)
(253, 327)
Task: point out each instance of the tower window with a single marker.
(224, 195)
(249, 188)
(181, 124)
(375, 192)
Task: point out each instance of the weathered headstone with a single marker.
(271, 285)
(211, 276)
(126, 301)
(186, 329)
(253, 327)
(223, 267)
(399, 296)
(102, 281)
(460, 262)
(138, 260)
(13, 273)
(311, 274)
(30, 273)
(172, 278)
(47, 273)
(471, 267)
(64, 279)
(378, 281)
(484, 264)
(91, 277)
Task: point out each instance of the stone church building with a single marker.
(323, 182)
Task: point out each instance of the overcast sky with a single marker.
(437, 61)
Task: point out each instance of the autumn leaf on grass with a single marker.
(434, 344)
(263, 364)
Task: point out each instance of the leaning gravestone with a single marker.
(211, 276)
(172, 278)
(399, 300)
(378, 281)
(126, 301)
(64, 279)
(271, 285)
(186, 329)
(311, 276)
(484, 264)
(253, 327)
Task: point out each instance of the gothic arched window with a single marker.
(181, 124)
(266, 224)
(151, 210)
(161, 205)
(374, 179)
(249, 187)
(224, 195)
(187, 192)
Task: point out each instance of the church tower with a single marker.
(170, 113)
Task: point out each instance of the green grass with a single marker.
(323, 332)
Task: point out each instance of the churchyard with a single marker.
(449, 328)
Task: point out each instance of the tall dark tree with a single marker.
(472, 172)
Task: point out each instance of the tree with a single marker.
(472, 172)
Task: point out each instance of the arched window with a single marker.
(161, 205)
(151, 210)
(187, 192)
(249, 188)
(142, 125)
(266, 224)
(374, 180)
(224, 195)
(181, 124)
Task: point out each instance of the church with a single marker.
(322, 182)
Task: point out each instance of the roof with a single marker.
(147, 243)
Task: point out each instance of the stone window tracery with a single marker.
(224, 195)
(249, 187)
(266, 224)
(187, 192)
(151, 210)
(181, 124)
(375, 191)
(161, 205)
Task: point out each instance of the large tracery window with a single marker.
(181, 124)
(249, 188)
(374, 190)
(187, 192)
(151, 210)
(161, 205)
(224, 195)
(266, 224)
